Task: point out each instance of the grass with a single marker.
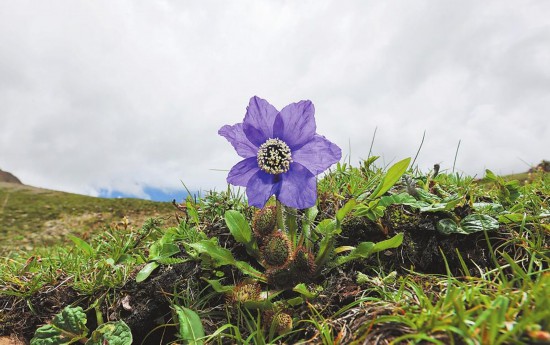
(31, 216)
(473, 268)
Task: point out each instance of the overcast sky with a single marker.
(124, 94)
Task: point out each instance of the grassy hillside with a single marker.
(387, 256)
(31, 216)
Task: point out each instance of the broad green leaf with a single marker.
(112, 333)
(238, 226)
(293, 302)
(400, 199)
(341, 214)
(304, 291)
(249, 270)
(82, 245)
(478, 222)
(366, 249)
(191, 330)
(146, 271)
(468, 225)
(218, 287)
(372, 211)
(220, 255)
(326, 227)
(390, 243)
(67, 327)
(488, 206)
(391, 177)
(240, 229)
(448, 226)
(261, 305)
(167, 250)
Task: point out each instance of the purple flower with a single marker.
(282, 153)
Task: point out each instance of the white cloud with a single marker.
(119, 95)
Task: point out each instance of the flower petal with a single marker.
(261, 187)
(258, 121)
(235, 135)
(295, 124)
(241, 172)
(317, 155)
(298, 187)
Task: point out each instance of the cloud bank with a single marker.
(129, 95)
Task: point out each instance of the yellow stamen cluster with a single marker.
(274, 156)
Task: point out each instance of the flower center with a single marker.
(274, 156)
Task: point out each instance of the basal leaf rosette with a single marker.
(282, 153)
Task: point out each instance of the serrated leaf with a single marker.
(146, 271)
(190, 326)
(112, 333)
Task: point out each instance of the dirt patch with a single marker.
(11, 340)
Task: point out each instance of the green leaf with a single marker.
(479, 222)
(304, 291)
(240, 229)
(401, 199)
(191, 330)
(112, 333)
(448, 226)
(238, 226)
(327, 227)
(393, 175)
(488, 206)
(146, 271)
(67, 327)
(222, 256)
(192, 211)
(341, 214)
(366, 249)
(218, 287)
(82, 245)
(167, 250)
(249, 270)
(468, 225)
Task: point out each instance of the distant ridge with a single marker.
(9, 177)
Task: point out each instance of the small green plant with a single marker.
(69, 327)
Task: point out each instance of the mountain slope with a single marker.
(31, 216)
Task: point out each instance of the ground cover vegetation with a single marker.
(208, 278)
(366, 254)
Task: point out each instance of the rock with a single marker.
(8, 177)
